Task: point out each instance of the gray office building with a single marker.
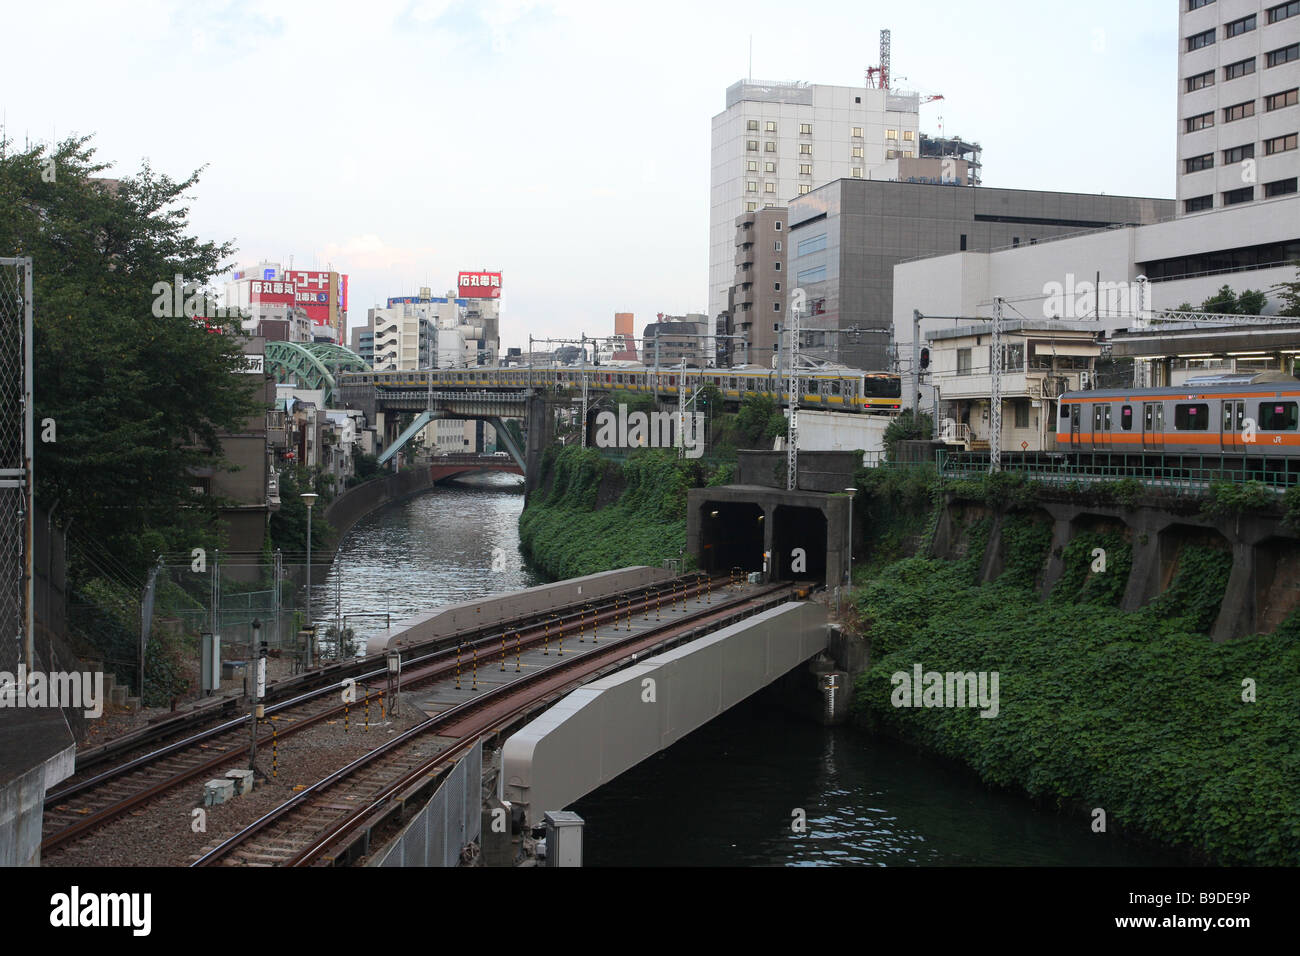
(844, 239)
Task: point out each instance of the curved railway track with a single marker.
(83, 806)
(302, 830)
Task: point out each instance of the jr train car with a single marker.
(833, 389)
(1255, 416)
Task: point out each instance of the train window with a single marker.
(1065, 412)
(1278, 416)
(812, 386)
(1192, 418)
(1126, 418)
(1108, 418)
(835, 387)
(731, 382)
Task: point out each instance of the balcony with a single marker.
(1035, 384)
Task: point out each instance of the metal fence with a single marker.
(1175, 475)
(451, 819)
(16, 410)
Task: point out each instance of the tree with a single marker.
(908, 426)
(1223, 302)
(138, 401)
(759, 418)
(1289, 293)
(1227, 302)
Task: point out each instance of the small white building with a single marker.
(1041, 360)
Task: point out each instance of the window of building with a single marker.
(1284, 10)
(769, 187)
(751, 186)
(778, 225)
(1197, 4)
(891, 154)
(857, 152)
(752, 124)
(751, 145)
(751, 166)
(1237, 27)
(805, 149)
(908, 135)
(963, 242)
(805, 169)
(1013, 357)
(1199, 40)
(907, 154)
(857, 172)
(1199, 204)
(1197, 163)
(1282, 187)
(1022, 414)
(1278, 101)
(776, 306)
(776, 246)
(1241, 111)
(770, 127)
(1241, 68)
(1235, 196)
(811, 244)
(1237, 154)
(1192, 418)
(815, 274)
(805, 129)
(1280, 144)
(1193, 123)
(1200, 81)
(1284, 55)
(891, 134)
(769, 205)
(776, 267)
(1277, 416)
(769, 167)
(750, 206)
(804, 189)
(963, 361)
(769, 147)
(776, 287)
(857, 132)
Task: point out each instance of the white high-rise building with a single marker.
(776, 141)
(1238, 102)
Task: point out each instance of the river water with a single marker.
(727, 794)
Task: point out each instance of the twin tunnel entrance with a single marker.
(794, 539)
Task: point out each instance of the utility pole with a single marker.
(792, 427)
(995, 402)
(584, 389)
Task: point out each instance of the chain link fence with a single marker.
(16, 638)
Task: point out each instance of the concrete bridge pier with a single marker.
(539, 428)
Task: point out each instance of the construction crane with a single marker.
(880, 72)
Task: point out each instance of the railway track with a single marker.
(83, 806)
(302, 830)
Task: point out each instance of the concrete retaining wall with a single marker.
(612, 724)
(355, 503)
(479, 612)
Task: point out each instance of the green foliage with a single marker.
(566, 535)
(1080, 584)
(1289, 294)
(894, 507)
(1227, 302)
(907, 426)
(1196, 593)
(1230, 498)
(138, 400)
(1132, 712)
(759, 420)
(164, 673)
(1025, 541)
(366, 466)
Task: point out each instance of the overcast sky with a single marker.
(564, 143)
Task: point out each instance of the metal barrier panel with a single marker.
(16, 637)
(451, 819)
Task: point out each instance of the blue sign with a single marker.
(268, 273)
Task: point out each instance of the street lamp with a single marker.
(309, 499)
(852, 493)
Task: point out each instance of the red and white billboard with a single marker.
(312, 295)
(479, 285)
(270, 292)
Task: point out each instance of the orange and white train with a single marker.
(1229, 415)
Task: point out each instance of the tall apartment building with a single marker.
(1238, 102)
(777, 141)
(761, 291)
(679, 337)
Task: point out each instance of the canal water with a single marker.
(727, 794)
